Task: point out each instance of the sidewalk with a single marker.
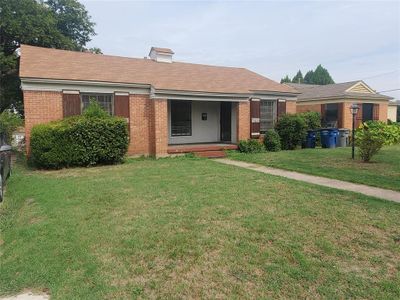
(332, 183)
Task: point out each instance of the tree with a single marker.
(95, 50)
(308, 78)
(62, 24)
(286, 79)
(298, 78)
(321, 76)
(72, 21)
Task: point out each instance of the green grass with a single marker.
(383, 171)
(192, 228)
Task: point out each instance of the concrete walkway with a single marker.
(332, 183)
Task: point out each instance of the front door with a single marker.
(225, 120)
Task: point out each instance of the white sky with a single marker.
(352, 39)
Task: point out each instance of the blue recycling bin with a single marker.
(329, 137)
(310, 139)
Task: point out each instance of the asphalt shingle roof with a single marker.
(309, 92)
(37, 62)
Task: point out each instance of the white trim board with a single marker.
(31, 84)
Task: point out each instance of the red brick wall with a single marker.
(291, 107)
(347, 120)
(383, 112)
(310, 107)
(243, 120)
(141, 125)
(40, 107)
(160, 110)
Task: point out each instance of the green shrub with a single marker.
(79, 141)
(9, 122)
(312, 119)
(292, 130)
(368, 142)
(251, 146)
(94, 110)
(272, 141)
(389, 132)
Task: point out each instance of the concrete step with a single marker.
(210, 154)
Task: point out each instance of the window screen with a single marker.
(267, 115)
(181, 118)
(104, 100)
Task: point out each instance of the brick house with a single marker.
(170, 106)
(333, 101)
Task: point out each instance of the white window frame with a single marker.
(274, 114)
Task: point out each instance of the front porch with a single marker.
(201, 122)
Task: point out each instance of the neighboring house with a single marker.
(169, 105)
(394, 111)
(333, 101)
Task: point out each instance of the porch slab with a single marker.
(189, 148)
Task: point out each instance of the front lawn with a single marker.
(383, 171)
(193, 228)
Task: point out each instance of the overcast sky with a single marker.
(353, 40)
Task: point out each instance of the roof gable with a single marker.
(360, 87)
(352, 89)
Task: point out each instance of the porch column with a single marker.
(160, 123)
(243, 120)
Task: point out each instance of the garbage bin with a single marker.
(344, 137)
(329, 137)
(310, 139)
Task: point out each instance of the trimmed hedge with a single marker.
(79, 141)
(312, 119)
(251, 146)
(292, 130)
(272, 141)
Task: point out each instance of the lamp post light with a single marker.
(354, 110)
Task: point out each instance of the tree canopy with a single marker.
(286, 79)
(62, 24)
(319, 76)
(298, 78)
(308, 78)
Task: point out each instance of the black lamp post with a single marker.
(354, 110)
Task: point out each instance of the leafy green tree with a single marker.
(286, 79)
(62, 24)
(95, 50)
(308, 78)
(9, 122)
(72, 21)
(321, 76)
(298, 78)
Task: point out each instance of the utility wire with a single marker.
(389, 91)
(381, 74)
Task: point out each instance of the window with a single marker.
(267, 115)
(331, 114)
(105, 101)
(367, 112)
(181, 118)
